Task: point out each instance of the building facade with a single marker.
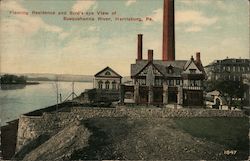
(107, 79)
(246, 81)
(168, 80)
(228, 69)
(106, 88)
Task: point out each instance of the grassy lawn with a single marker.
(230, 132)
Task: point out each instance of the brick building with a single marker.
(228, 69)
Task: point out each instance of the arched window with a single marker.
(107, 85)
(107, 73)
(114, 85)
(100, 84)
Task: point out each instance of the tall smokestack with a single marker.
(168, 49)
(140, 46)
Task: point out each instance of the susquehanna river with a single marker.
(14, 102)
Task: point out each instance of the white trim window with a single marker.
(100, 84)
(107, 85)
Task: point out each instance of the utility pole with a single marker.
(72, 94)
(73, 90)
(57, 92)
(60, 98)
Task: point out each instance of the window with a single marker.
(191, 83)
(100, 84)
(178, 82)
(107, 73)
(107, 85)
(158, 82)
(171, 82)
(192, 71)
(194, 83)
(142, 81)
(170, 69)
(114, 85)
(234, 68)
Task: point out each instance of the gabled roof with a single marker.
(198, 65)
(177, 65)
(188, 63)
(108, 69)
(150, 63)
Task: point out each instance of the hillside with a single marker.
(144, 138)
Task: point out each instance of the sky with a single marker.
(48, 44)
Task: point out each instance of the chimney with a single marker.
(198, 57)
(192, 58)
(150, 55)
(139, 49)
(168, 46)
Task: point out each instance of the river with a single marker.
(18, 100)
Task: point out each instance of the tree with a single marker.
(13, 79)
(231, 89)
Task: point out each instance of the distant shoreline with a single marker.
(27, 83)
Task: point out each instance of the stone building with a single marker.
(228, 69)
(168, 80)
(107, 79)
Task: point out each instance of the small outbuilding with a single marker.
(107, 79)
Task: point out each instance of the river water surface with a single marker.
(16, 100)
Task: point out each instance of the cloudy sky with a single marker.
(48, 44)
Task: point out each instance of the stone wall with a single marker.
(31, 127)
(83, 113)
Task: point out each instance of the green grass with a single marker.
(230, 132)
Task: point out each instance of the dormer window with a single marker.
(170, 69)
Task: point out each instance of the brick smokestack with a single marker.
(150, 55)
(139, 47)
(198, 57)
(168, 46)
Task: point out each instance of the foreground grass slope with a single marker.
(165, 138)
(147, 138)
(231, 132)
